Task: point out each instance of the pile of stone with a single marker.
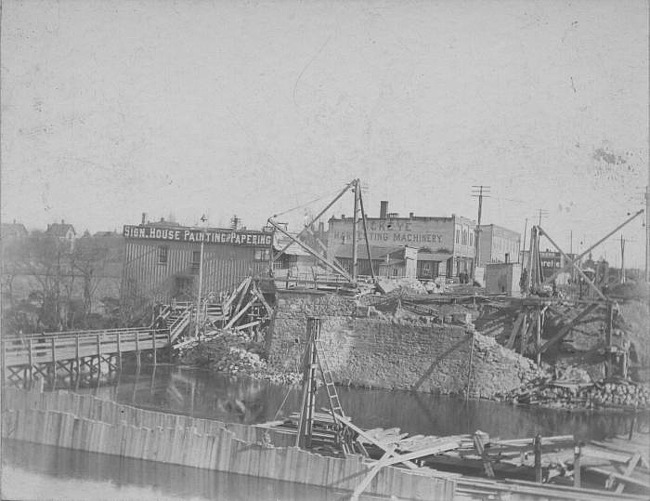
(614, 394)
(234, 353)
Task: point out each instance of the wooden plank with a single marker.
(628, 471)
(618, 476)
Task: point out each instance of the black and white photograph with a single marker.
(287, 250)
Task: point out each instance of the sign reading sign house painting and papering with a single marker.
(211, 236)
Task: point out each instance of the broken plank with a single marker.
(370, 439)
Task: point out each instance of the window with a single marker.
(457, 236)
(163, 253)
(464, 237)
(196, 261)
(471, 238)
(262, 254)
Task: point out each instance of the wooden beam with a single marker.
(372, 473)
(240, 313)
(342, 192)
(260, 296)
(634, 460)
(515, 330)
(575, 266)
(330, 264)
(564, 331)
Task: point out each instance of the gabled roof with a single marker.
(59, 229)
(13, 230)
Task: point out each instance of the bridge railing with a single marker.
(41, 335)
(37, 350)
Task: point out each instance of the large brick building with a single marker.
(498, 245)
(445, 245)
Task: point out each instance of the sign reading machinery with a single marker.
(250, 239)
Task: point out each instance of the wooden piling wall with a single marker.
(86, 423)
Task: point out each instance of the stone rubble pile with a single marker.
(235, 353)
(613, 394)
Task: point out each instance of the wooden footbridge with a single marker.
(87, 353)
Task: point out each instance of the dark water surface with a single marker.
(42, 472)
(242, 400)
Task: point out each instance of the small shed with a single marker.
(503, 278)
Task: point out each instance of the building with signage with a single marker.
(498, 245)
(162, 260)
(444, 245)
(553, 262)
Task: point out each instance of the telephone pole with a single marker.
(198, 297)
(542, 213)
(622, 259)
(479, 192)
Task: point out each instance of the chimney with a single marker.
(144, 218)
(383, 210)
(411, 214)
(321, 229)
(62, 221)
(342, 216)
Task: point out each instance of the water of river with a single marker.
(204, 394)
(41, 472)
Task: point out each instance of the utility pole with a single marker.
(479, 192)
(542, 212)
(355, 221)
(523, 247)
(571, 254)
(198, 297)
(622, 259)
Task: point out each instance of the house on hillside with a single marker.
(62, 231)
(13, 231)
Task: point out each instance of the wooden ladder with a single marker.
(326, 373)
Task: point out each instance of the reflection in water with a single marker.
(33, 471)
(204, 394)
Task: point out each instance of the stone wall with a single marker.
(366, 348)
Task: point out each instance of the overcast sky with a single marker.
(114, 108)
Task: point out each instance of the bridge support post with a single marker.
(99, 357)
(153, 338)
(78, 362)
(119, 350)
(53, 361)
(137, 349)
(31, 362)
